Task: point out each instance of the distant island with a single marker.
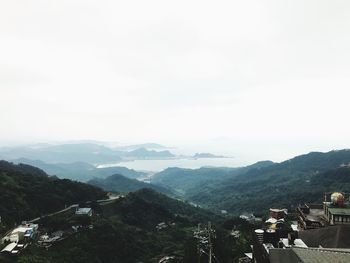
(207, 155)
(148, 146)
(144, 154)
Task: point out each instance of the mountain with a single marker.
(302, 179)
(63, 153)
(28, 192)
(79, 170)
(143, 153)
(148, 200)
(126, 232)
(183, 180)
(143, 226)
(80, 152)
(121, 184)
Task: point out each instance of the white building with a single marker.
(84, 211)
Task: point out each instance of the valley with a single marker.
(157, 220)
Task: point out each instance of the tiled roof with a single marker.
(339, 211)
(309, 255)
(318, 255)
(330, 237)
(279, 255)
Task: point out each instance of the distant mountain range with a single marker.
(80, 171)
(91, 153)
(258, 186)
(63, 153)
(83, 152)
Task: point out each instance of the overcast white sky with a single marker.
(264, 78)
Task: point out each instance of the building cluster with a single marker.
(163, 225)
(83, 211)
(47, 240)
(250, 218)
(314, 233)
(335, 211)
(167, 259)
(18, 238)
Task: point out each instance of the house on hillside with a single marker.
(337, 211)
(84, 211)
(23, 232)
(333, 212)
(322, 235)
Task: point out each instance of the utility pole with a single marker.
(205, 238)
(209, 239)
(199, 249)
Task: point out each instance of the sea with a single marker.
(190, 163)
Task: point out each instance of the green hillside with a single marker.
(301, 179)
(182, 180)
(120, 184)
(125, 231)
(80, 171)
(28, 192)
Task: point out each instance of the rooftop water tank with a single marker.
(337, 199)
(260, 235)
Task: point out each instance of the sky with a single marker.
(260, 79)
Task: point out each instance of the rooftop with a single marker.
(332, 237)
(9, 247)
(316, 255)
(339, 211)
(314, 214)
(84, 210)
(297, 242)
(309, 255)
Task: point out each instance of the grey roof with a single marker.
(317, 255)
(84, 210)
(279, 255)
(330, 237)
(339, 211)
(308, 255)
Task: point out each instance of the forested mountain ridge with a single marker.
(127, 231)
(28, 192)
(80, 171)
(121, 184)
(298, 180)
(143, 226)
(183, 180)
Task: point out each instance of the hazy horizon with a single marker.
(237, 156)
(254, 79)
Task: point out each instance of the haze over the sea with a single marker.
(250, 79)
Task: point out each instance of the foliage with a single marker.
(27, 192)
(184, 180)
(126, 232)
(80, 171)
(121, 184)
(302, 179)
